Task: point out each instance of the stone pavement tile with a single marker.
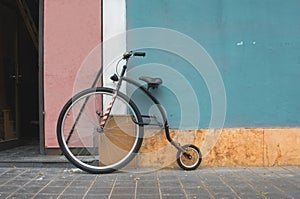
(224, 195)
(75, 191)
(52, 190)
(148, 177)
(242, 188)
(16, 182)
(88, 177)
(277, 195)
(4, 195)
(148, 183)
(80, 183)
(65, 177)
(219, 189)
(91, 196)
(37, 183)
(193, 181)
(59, 183)
(174, 183)
(21, 196)
(121, 196)
(141, 196)
(196, 191)
(9, 189)
(200, 196)
(98, 184)
(294, 194)
(125, 183)
(171, 191)
(251, 195)
(99, 191)
(126, 176)
(147, 191)
(123, 190)
(284, 185)
(168, 196)
(211, 180)
(72, 196)
(167, 177)
(4, 180)
(46, 196)
(29, 189)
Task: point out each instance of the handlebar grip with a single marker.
(139, 54)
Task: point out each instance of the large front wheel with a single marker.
(90, 147)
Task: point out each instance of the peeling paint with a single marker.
(240, 43)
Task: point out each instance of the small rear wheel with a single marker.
(190, 159)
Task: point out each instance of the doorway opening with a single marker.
(19, 72)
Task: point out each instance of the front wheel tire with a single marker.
(91, 148)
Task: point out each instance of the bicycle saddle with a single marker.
(152, 82)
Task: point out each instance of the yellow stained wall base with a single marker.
(226, 147)
(219, 147)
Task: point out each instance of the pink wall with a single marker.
(72, 30)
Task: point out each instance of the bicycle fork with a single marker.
(108, 110)
(176, 145)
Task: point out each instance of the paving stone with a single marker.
(9, 188)
(224, 195)
(52, 190)
(174, 183)
(152, 196)
(93, 196)
(37, 183)
(75, 190)
(99, 191)
(177, 196)
(147, 191)
(15, 182)
(29, 189)
(59, 183)
(80, 183)
(196, 191)
(199, 196)
(171, 190)
(147, 183)
(46, 196)
(121, 196)
(4, 195)
(66, 196)
(21, 196)
(126, 183)
(123, 190)
(102, 184)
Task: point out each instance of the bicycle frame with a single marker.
(154, 100)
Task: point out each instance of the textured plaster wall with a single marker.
(255, 45)
(72, 30)
(231, 147)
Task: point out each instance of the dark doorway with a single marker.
(19, 104)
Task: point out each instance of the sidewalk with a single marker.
(251, 182)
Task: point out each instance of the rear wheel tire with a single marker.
(193, 161)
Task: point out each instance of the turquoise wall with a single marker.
(255, 45)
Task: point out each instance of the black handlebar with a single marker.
(128, 54)
(139, 54)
